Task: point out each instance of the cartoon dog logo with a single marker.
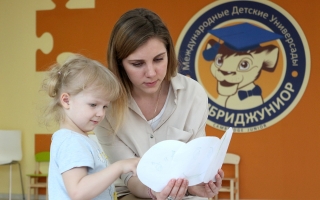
(238, 62)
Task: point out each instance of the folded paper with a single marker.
(198, 161)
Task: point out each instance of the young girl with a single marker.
(81, 90)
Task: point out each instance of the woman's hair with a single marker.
(77, 74)
(133, 29)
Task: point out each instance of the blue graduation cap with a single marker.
(240, 37)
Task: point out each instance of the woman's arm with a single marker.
(137, 188)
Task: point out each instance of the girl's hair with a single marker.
(132, 30)
(77, 74)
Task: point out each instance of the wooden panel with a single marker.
(42, 142)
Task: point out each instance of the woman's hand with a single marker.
(209, 189)
(175, 190)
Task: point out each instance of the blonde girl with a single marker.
(81, 90)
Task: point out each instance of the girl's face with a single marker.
(84, 111)
(146, 67)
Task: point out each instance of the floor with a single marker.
(18, 197)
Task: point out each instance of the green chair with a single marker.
(34, 183)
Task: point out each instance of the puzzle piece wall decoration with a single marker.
(73, 30)
(84, 29)
(45, 40)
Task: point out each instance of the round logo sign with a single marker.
(251, 57)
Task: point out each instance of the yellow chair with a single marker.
(233, 182)
(34, 182)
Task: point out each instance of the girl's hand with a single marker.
(129, 165)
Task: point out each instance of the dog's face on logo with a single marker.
(236, 70)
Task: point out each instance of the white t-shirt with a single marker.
(155, 121)
(68, 150)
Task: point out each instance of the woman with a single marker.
(162, 103)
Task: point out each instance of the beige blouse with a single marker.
(184, 119)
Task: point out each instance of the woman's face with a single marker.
(146, 67)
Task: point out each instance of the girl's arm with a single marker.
(80, 185)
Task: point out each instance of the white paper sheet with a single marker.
(198, 161)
